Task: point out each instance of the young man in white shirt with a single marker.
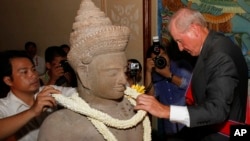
(27, 104)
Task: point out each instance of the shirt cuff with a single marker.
(179, 114)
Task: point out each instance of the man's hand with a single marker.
(151, 105)
(10, 125)
(56, 72)
(150, 65)
(44, 100)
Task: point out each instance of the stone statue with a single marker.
(99, 111)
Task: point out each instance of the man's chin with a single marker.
(35, 88)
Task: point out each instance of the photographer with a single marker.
(167, 78)
(59, 72)
(134, 72)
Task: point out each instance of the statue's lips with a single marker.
(119, 89)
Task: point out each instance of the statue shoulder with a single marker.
(65, 125)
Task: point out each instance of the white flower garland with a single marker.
(102, 120)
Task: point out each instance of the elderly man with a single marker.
(219, 81)
(100, 112)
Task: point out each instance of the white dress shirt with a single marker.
(179, 114)
(11, 105)
(39, 64)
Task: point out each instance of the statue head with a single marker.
(97, 48)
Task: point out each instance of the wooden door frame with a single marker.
(146, 26)
(146, 31)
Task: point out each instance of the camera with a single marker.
(66, 68)
(65, 65)
(160, 62)
(133, 69)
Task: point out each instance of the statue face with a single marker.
(107, 75)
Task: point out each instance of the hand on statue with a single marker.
(152, 105)
(44, 100)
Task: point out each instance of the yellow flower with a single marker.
(140, 89)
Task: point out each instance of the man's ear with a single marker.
(82, 72)
(7, 80)
(195, 29)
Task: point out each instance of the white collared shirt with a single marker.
(39, 64)
(179, 114)
(11, 105)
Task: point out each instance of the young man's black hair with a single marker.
(6, 67)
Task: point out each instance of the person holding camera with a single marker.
(59, 72)
(134, 72)
(167, 78)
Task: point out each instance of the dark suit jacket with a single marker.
(219, 87)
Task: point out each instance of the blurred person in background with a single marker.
(167, 77)
(134, 72)
(31, 49)
(58, 72)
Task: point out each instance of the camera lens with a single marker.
(160, 62)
